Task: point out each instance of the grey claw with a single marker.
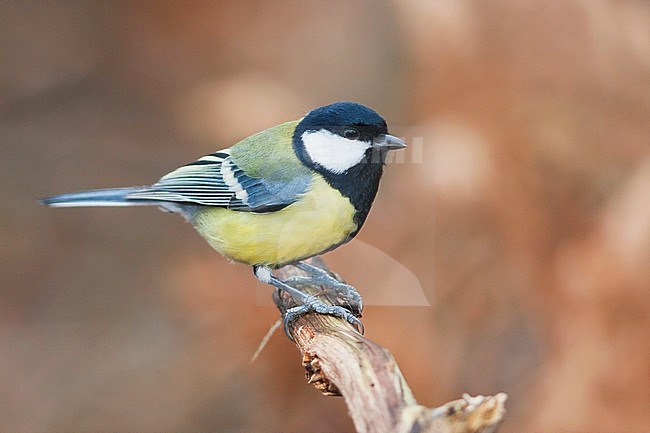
(292, 314)
(314, 304)
(358, 325)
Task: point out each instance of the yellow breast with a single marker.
(321, 219)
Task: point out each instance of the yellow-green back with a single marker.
(269, 154)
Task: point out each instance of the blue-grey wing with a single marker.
(216, 180)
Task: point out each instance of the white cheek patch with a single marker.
(337, 154)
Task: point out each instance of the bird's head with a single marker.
(343, 135)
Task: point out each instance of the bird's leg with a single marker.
(320, 277)
(308, 302)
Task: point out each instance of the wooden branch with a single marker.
(339, 361)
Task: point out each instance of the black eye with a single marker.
(351, 134)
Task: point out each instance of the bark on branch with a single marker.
(339, 361)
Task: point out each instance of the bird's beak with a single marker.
(389, 142)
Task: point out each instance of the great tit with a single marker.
(278, 197)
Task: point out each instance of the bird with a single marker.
(278, 197)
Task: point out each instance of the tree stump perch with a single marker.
(340, 361)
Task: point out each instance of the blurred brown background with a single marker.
(525, 216)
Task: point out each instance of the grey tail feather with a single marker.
(99, 197)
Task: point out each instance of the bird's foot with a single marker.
(308, 303)
(320, 277)
(314, 304)
(348, 294)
